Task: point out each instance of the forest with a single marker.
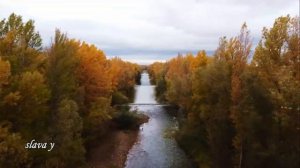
(63, 93)
(241, 106)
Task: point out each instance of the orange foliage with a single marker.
(123, 74)
(94, 72)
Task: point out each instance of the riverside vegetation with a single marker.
(239, 111)
(63, 93)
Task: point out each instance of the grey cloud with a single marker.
(150, 29)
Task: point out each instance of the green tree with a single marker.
(254, 124)
(69, 150)
(26, 105)
(32, 109)
(211, 105)
(61, 70)
(98, 115)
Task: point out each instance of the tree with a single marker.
(20, 43)
(4, 73)
(34, 92)
(60, 94)
(178, 79)
(124, 75)
(69, 150)
(211, 107)
(254, 124)
(240, 52)
(61, 68)
(99, 114)
(275, 61)
(12, 151)
(93, 73)
(65, 121)
(18, 102)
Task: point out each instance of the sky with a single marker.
(145, 31)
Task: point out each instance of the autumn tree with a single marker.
(21, 57)
(20, 44)
(124, 76)
(93, 73)
(94, 85)
(157, 72)
(61, 94)
(240, 50)
(4, 73)
(178, 77)
(276, 60)
(239, 115)
(12, 151)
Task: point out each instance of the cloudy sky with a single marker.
(147, 30)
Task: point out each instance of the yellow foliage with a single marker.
(4, 72)
(12, 98)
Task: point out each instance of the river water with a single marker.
(155, 148)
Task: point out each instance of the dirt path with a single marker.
(112, 151)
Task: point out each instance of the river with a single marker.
(154, 148)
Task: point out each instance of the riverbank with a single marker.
(111, 150)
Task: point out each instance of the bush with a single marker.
(119, 98)
(126, 119)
